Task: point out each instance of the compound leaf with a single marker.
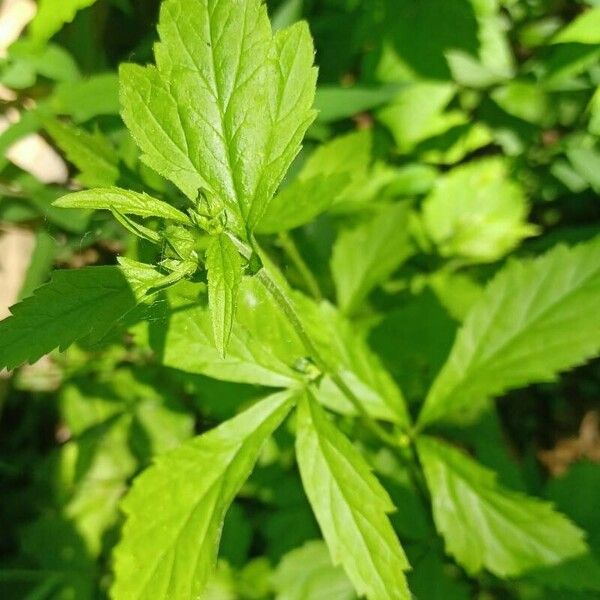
(176, 508)
(350, 505)
(227, 105)
(224, 266)
(487, 526)
(536, 318)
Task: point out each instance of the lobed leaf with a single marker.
(176, 508)
(350, 505)
(477, 213)
(227, 105)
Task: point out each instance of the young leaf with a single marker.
(228, 104)
(486, 526)
(367, 255)
(124, 201)
(77, 304)
(92, 154)
(224, 266)
(536, 318)
(175, 509)
(350, 505)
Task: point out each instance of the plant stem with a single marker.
(289, 247)
(286, 306)
(290, 312)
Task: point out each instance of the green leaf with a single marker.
(307, 573)
(87, 98)
(335, 102)
(189, 342)
(346, 350)
(536, 318)
(92, 154)
(595, 113)
(52, 15)
(415, 114)
(486, 526)
(176, 508)
(228, 104)
(585, 29)
(301, 201)
(476, 212)
(224, 266)
(265, 350)
(327, 174)
(367, 255)
(77, 304)
(124, 201)
(350, 505)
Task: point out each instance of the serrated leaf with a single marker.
(300, 202)
(189, 343)
(76, 304)
(350, 505)
(175, 509)
(347, 351)
(476, 212)
(365, 256)
(535, 319)
(224, 266)
(487, 526)
(92, 154)
(228, 104)
(265, 350)
(328, 173)
(124, 201)
(585, 29)
(52, 15)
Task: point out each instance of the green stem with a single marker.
(289, 247)
(286, 306)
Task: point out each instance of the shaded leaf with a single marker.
(487, 526)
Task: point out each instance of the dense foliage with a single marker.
(294, 332)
